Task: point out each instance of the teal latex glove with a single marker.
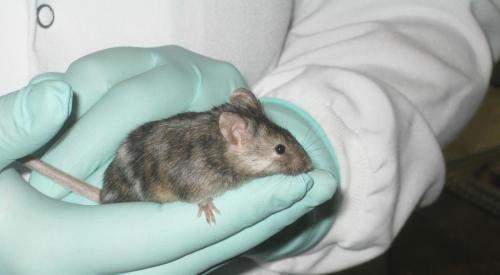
(116, 90)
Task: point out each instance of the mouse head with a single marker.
(255, 145)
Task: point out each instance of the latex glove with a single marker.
(117, 90)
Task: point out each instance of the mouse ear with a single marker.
(244, 98)
(233, 127)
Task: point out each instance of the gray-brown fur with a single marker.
(194, 157)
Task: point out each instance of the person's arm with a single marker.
(389, 82)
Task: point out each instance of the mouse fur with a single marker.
(195, 156)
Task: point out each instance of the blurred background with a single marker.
(460, 233)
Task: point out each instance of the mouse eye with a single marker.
(280, 149)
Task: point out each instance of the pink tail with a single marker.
(65, 180)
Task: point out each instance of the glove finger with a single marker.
(273, 193)
(310, 228)
(26, 122)
(93, 75)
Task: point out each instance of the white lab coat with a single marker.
(389, 81)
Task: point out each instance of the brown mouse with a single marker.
(196, 156)
(193, 157)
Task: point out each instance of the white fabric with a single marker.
(389, 81)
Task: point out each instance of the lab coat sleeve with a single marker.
(390, 82)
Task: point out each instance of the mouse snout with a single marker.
(300, 165)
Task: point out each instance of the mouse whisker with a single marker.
(306, 136)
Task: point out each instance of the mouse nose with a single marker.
(300, 165)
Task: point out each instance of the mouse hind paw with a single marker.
(208, 208)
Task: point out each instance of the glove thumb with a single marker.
(31, 116)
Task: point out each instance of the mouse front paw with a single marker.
(208, 208)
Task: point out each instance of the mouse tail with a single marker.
(63, 179)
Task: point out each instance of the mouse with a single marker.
(197, 156)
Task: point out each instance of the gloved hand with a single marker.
(116, 90)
